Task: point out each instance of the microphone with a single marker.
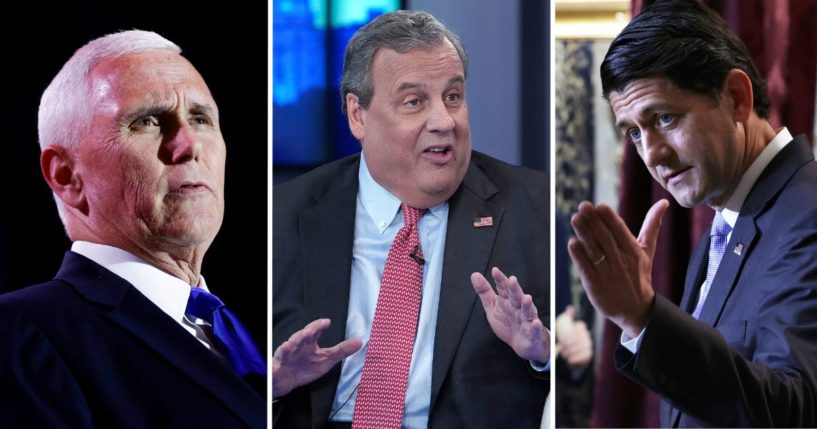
(417, 258)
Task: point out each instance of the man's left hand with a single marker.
(513, 316)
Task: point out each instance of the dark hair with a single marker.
(400, 31)
(685, 42)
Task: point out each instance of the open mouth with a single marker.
(438, 149)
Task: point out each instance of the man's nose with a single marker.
(654, 148)
(183, 145)
(440, 118)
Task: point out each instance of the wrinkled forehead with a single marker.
(157, 75)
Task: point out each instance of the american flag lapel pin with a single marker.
(739, 249)
(483, 222)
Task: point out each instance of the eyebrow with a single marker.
(413, 85)
(162, 108)
(646, 111)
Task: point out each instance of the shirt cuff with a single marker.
(539, 366)
(633, 344)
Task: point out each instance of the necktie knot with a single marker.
(720, 228)
(411, 215)
(231, 337)
(203, 304)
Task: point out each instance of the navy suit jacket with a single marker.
(751, 358)
(477, 380)
(89, 350)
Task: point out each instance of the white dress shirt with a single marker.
(731, 209)
(166, 291)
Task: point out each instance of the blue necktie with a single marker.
(717, 246)
(232, 338)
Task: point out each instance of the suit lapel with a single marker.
(125, 307)
(327, 270)
(745, 234)
(467, 250)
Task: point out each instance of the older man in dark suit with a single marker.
(127, 335)
(373, 254)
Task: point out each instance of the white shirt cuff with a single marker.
(539, 366)
(633, 344)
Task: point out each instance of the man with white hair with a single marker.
(127, 334)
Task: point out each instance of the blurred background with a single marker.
(228, 46)
(591, 164)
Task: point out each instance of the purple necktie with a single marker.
(717, 246)
(232, 338)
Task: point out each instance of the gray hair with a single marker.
(66, 111)
(400, 31)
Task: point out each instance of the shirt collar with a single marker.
(166, 291)
(733, 205)
(380, 204)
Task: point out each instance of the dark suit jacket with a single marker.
(751, 360)
(88, 350)
(477, 380)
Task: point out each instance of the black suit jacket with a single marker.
(89, 350)
(751, 359)
(477, 380)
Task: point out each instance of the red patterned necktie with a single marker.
(382, 393)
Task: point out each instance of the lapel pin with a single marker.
(739, 249)
(483, 222)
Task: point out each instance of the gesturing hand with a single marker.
(615, 267)
(512, 316)
(299, 360)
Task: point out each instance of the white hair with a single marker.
(66, 111)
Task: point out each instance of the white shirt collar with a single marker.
(380, 204)
(166, 291)
(733, 205)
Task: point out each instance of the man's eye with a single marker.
(665, 119)
(453, 98)
(145, 122)
(201, 120)
(413, 102)
(634, 134)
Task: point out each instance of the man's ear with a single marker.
(58, 171)
(738, 88)
(356, 115)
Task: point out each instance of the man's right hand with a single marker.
(299, 360)
(615, 266)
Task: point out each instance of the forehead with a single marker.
(641, 92)
(392, 68)
(150, 74)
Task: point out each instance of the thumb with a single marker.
(648, 237)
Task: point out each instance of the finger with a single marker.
(648, 237)
(311, 332)
(605, 234)
(582, 225)
(515, 292)
(579, 256)
(528, 309)
(343, 349)
(501, 281)
(570, 311)
(484, 291)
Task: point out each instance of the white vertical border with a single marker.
(269, 215)
(552, 148)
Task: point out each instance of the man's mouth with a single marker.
(676, 175)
